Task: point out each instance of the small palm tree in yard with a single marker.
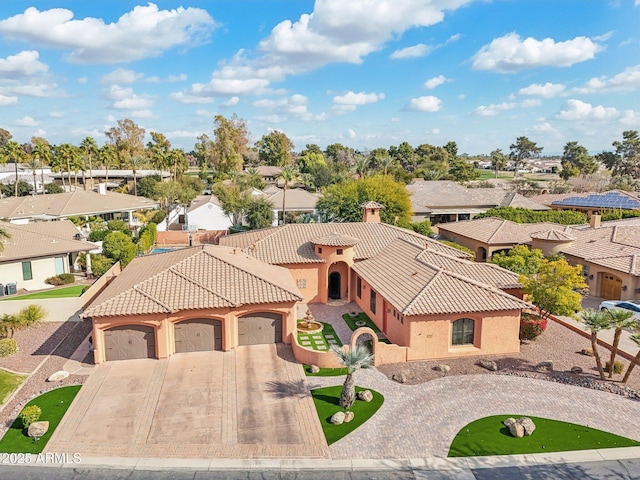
(596, 321)
(636, 339)
(353, 358)
(620, 319)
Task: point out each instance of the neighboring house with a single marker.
(298, 201)
(58, 206)
(204, 213)
(115, 177)
(193, 299)
(269, 173)
(445, 201)
(609, 251)
(599, 202)
(37, 251)
(423, 295)
(8, 176)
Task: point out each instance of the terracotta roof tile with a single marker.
(335, 239)
(553, 235)
(496, 230)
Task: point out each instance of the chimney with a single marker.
(595, 220)
(371, 212)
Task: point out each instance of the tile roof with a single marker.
(406, 277)
(296, 199)
(191, 279)
(201, 200)
(42, 239)
(613, 199)
(553, 235)
(291, 243)
(371, 204)
(496, 230)
(335, 239)
(548, 198)
(78, 202)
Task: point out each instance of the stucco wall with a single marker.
(595, 284)
(308, 274)
(41, 269)
(209, 217)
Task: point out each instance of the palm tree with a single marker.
(136, 162)
(3, 235)
(353, 358)
(287, 174)
(67, 156)
(386, 162)
(636, 339)
(596, 321)
(89, 149)
(108, 158)
(362, 165)
(34, 163)
(42, 151)
(620, 319)
(14, 151)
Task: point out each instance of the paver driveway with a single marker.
(248, 403)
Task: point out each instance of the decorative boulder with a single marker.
(58, 376)
(587, 351)
(337, 418)
(443, 368)
(348, 416)
(38, 429)
(399, 377)
(527, 424)
(365, 396)
(489, 365)
(548, 366)
(314, 369)
(516, 430)
(576, 369)
(509, 421)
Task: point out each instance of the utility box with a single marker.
(12, 288)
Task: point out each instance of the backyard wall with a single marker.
(99, 284)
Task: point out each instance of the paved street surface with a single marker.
(601, 470)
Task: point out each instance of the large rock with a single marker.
(443, 368)
(365, 395)
(489, 365)
(399, 377)
(509, 421)
(38, 429)
(314, 369)
(58, 376)
(348, 416)
(337, 418)
(587, 351)
(527, 424)
(547, 365)
(516, 430)
(576, 369)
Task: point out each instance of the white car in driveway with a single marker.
(633, 305)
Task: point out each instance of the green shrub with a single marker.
(85, 288)
(62, 279)
(618, 367)
(522, 215)
(531, 326)
(158, 217)
(8, 347)
(98, 235)
(30, 414)
(54, 281)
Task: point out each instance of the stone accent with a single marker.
(38, 429)
(314, 369)
(337, 418)
(400, 378)
(576, 369)
(516, 430)
(528, 425)
(58, 376)
(489, 365)
(348, 416)
(365, 395)
(443, 368)
(547, 365)
(521, 427)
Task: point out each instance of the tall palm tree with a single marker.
(386, 162)
(89, 149)
(636, 339)
(34, 163)
(136, 162)
(108, 158)
(353, 358)
(596, 321)
(620, 319)
(42, 151)
(14, 151)
(288, 174)
(67, 156)
(362, 165)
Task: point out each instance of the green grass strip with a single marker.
(8, 384)
(325, 372)
(327, 330)
(65, 292)
(488, 436)
(326, 402)
(54, 405)
(361, 317)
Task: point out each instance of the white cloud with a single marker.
(143, 32)
(231, 102)
(121, 76)
(22, 65)
(416, 51)
(82, 80)
(579, 110)
(189, 99)
(351, 133)
(8, 100)
(295, 105)
(494, 109)
(435, 82)
(40, 90)
(126, 99)
(183, 134)
(201, 112)
(56, 114)
(350, 101)
(629, 117)
(27, 122)
(547, 129)
(427, 103)
(546, 90)
(511, 54)
(177, 78)
(627, 80)
(154, 79)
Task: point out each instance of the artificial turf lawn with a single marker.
(325, 372)
(54, 405)
(326, 402)
(351, 323)
(488, 436)
(8, 383)
(326, 330)
(72, 291)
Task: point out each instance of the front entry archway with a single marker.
(334, 285)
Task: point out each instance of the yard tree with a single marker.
(339, 156)
(100, 264)
(554, 288)
(4, 235)
(29, 316)
(405, 155)
(522, 150)
(89, 150)
(499, 161)
(341, 202)
(119, 247)
(127, 138)
(5, 136)
(173, 194)
(353, 358)
(288, 175)
(12, 151)
(462, 171)
(230, 143)
(233, 201)
(576, 161)
(626, 159)
(362, 165)
(258, 213)
(596, 321)
(42, 151)
(519, 259)
(309, 158)
(107, 158)
(635, 338)
(275, 148)
(159, 149)
(620, 319)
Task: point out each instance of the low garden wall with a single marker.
(304, 355)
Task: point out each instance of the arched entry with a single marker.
(335, 285)
(481, 255)
(610, 287)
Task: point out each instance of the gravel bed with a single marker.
(557, 344)
(35, 344)
(37, 383)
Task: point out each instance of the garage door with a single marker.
(129, 341)
(198, 335)
(611, 287)
(260, 328)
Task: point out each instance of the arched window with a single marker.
(463, 330)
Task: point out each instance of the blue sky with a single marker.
(364, 73)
